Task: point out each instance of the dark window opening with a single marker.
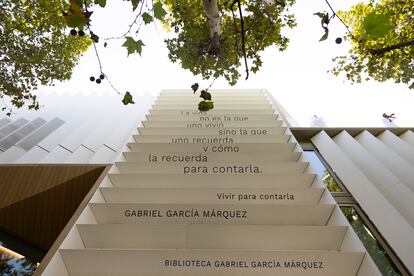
(14, 264)
(374, 248)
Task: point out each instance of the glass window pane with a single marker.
(321, 170)
(12, 263)
(373, 247)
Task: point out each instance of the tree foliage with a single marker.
(263, 23)
(35, 48)
(382, 42)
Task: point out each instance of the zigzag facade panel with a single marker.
(157, 151)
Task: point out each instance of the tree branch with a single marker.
(346, 26)
(384, 50)
(243, 35)
(101, 68)
(235, 32)
(243, 40)
(130, 26)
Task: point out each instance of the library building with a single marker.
(159, 188)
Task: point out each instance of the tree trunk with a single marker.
(212, 12)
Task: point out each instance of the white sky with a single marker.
(298, 77)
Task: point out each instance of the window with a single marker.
(380, 252)
(374, 248)
(322, 171)
(12, 263)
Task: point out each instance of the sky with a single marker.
(297, 78)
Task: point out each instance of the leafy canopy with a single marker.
(263, 23)
(377, 28)
(35, 48)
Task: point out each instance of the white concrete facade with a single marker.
(378, 172)
(370, 171)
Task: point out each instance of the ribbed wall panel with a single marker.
(388, 184)
(81, 155)
(51, 141)
(408, 137)
(103, 155)
(20, 133)
(33, 139)
(57, 155)
(4, 122)
(117, 139)
(399, 146)
(9, 128)
(400, 168)
(11, 155)
(75, 139)
(33, 156)
(391, 224)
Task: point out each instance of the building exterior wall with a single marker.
(377, 170)
(369, 170)
(89, 129)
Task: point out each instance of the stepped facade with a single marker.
(231, 192)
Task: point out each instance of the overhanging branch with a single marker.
(384, 50)
(242, 34)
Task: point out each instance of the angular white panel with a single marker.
(103, 155)
(398, 194)
(211, 139)
(236, 167)
(212, 118)
(280, 214)
(395, 229)
(133, 236)
(399, 146)
(408, 137)
(212, 112)
(166, 158)
(80, 155)
(267, 237)
(216, 124)
(33, 156)
(293, 181)
(210, 196)
(210, 262)
(206, 148)
(248, 131)
(57, 155)
(399, 167)
(11, 155)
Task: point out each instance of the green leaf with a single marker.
(194, 87)
(205, 95)
(324, 18)
(377, 25)
(134, 4)
(94, 37)
(75, 21)
(76, 18)
(101, 3)
(159, 11)
(205, 106)
(325, 35)
(133, 46)
(127, 99)
(147, 18)
(320, 14)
